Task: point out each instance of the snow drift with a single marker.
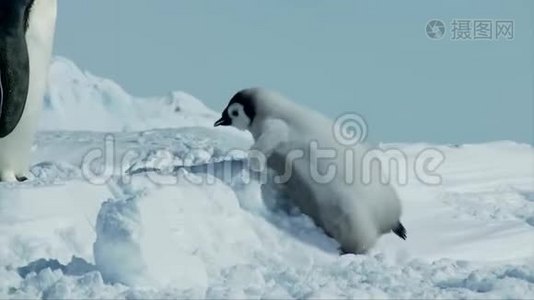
(78, 100)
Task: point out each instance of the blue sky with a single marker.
(371, 57)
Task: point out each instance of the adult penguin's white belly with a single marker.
(20, 116)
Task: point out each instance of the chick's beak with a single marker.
(221, 122)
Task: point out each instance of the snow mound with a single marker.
(78, 100)
(137, 246)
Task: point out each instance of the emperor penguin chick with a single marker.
(290, 136)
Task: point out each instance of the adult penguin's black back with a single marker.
(14, 62)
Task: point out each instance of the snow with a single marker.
(78, 100)
(74, 232)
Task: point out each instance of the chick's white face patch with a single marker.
(239, 118)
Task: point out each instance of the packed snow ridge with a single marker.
(78, 100)
(135, 234)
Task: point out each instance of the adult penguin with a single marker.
(27, 30)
